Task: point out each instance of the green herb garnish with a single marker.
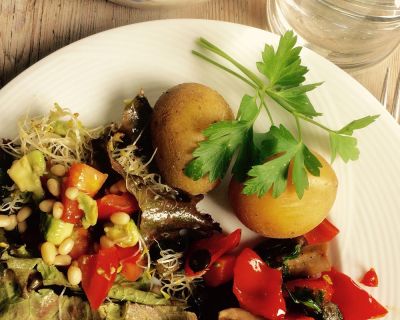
(263, 160)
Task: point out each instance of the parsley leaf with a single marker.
(357, 124)
(280, 144)
(345, 146)
(283, 67)
(224, 138)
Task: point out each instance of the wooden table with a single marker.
(31, 29)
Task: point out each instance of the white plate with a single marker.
(94, 75)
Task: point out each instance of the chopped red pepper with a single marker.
(354, 302)
(213, 247)
(370, 278)
(128, 253)
(71, 213)
(324, 232)
(321, 284)
(112, 203)
(98, 275)
(258, 287)
(86, 178)
(221, 271)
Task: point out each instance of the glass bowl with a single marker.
(354, 34)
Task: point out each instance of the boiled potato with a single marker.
(287, 216)
(180, 115)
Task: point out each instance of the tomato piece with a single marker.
(86, 178)
(258, 287)
(324, 232)
(98, 275)
(323, 284)
(221, 271)
(112, 203)
(370, 278)
(81, 243)
(211, 249)
(354, 302)
(71, 212)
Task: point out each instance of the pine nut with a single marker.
(13, 223)
(66, 246)
(72, 193)
(58, 210)
(106, 242)
(74, 275)
(114, 189)
(22, 226)
(54, 187)
(24, 214)
(120, 218)
(121, 186)
(4, 221)
(58, 170)
(62, 260)
(46, 205)
(49, 252)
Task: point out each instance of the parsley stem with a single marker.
(213, 48)
(262, 98)
(298, 126)
(314, 122)
(202, 56)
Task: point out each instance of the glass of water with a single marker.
(353, 34)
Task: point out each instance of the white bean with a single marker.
(66, 246)
(22, 226)
(120, 218)
(49, 252)
(62, 260)
(24, 214)
(58, 170)
(74, 275)
(4, 221)
(114, 189)
(58, 210)
(46, 205)
(54, 187)
(13, 223)
(121, 186)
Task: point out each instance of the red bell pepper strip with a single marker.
(86, 178)
(258, 287)
(216, 246)
(353, 302)
(131, 262)
(323, 284)
(98, 275)
(324, 232)
(220, 272)
(370, 278)
(112, 203)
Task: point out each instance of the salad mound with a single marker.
(93, 227)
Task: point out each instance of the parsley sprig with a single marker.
(263, 160)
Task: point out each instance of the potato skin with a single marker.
(287, 216)
(180, 115)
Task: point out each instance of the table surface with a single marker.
(31, 29)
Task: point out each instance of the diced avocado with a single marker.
(124, 235)
(89, 207)
(26, 173)
(37, 162)
(55, 230)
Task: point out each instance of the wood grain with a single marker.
(31, 29)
